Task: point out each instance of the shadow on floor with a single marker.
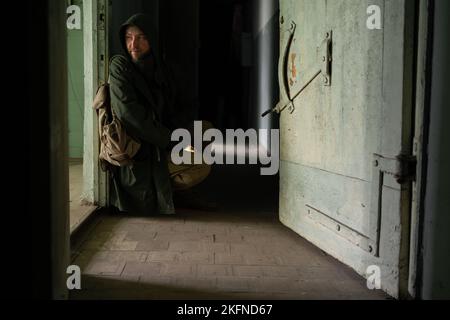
(104, 288)
(239, 252)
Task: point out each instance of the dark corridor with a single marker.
(225, 63)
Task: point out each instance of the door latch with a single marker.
(322, 66)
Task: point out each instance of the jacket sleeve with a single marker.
(138, 120)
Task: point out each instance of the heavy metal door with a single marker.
(345, 110)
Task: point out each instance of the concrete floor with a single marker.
(241, 251)
(79, 211)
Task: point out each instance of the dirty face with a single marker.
(136, 42)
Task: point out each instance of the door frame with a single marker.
(423, 47)
(96, 58)
(429, 275)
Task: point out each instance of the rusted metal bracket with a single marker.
(322, 66)
(324, 54)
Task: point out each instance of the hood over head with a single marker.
(143, 22)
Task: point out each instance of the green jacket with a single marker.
(144, 187)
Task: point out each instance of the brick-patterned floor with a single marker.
(240, 252)
(209, 256)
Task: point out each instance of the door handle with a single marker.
(282, 73)
(321, 66)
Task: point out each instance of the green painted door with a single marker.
(341, 135)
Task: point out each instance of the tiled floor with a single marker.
(230, 254)
(209, 255)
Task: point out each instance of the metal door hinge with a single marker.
(406, 170)
(403, 167)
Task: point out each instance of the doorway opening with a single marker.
(213, 47)
(80, 208)
(242, 248)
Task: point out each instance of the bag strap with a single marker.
(107, 67)
(108, 81)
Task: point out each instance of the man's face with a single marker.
(137, 42)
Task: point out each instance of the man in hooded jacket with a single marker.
(143, 98)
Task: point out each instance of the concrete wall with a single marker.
(49, 198)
